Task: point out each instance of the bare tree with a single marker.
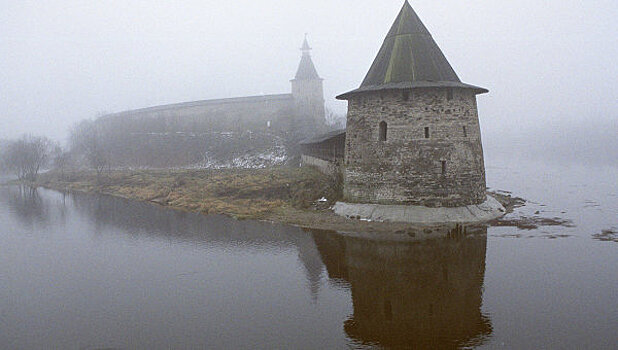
(61, 160)
(4, 144)
(335, 121)
(26, 156)
(86, 139)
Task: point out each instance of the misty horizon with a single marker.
(549, 70)
(181, 174)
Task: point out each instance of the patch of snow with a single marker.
(273, 156)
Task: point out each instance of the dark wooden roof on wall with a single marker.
(410, 58)
(324, 137)
(329, 147)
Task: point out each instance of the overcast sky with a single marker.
(545, 62)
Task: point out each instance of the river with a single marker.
(91, 272)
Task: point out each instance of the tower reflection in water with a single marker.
(404, 295)
(411, 295)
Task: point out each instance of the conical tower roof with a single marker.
(306, 69)
(306, 46)
(409, 58)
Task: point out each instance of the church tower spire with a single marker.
(306, 68)
(308, 92)
(306, 48)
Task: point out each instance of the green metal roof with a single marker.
(409, 58)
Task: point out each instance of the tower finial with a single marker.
(306, 48)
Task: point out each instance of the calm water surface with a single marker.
(90, 272)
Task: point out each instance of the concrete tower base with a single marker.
(470, 214)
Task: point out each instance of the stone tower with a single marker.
(308, 92)
(413, 134)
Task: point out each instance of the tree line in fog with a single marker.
(26, 156)
(100, 147)
(103, 143)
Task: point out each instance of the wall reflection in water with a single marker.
(420, 295)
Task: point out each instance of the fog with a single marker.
(550, 66)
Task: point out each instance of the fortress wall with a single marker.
(324, 166)
(407, 168)
(216, 131)
(236, 114)
(196, 132)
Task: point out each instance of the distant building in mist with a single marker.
(413, 134)
(289, 117)
(303, 108)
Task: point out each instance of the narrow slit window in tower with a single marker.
(449, 94)
(426, 132)
(444, 167)
(383, 128)
(465, 132)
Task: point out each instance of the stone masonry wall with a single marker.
(445, 169)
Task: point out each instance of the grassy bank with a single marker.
(285, 195)
(241, 193)
(282, 194)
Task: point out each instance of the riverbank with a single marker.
(240, 193)
(295, 196)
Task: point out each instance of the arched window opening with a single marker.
(383, 130)
(426, 132)
(444, 167)
(465, 132)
